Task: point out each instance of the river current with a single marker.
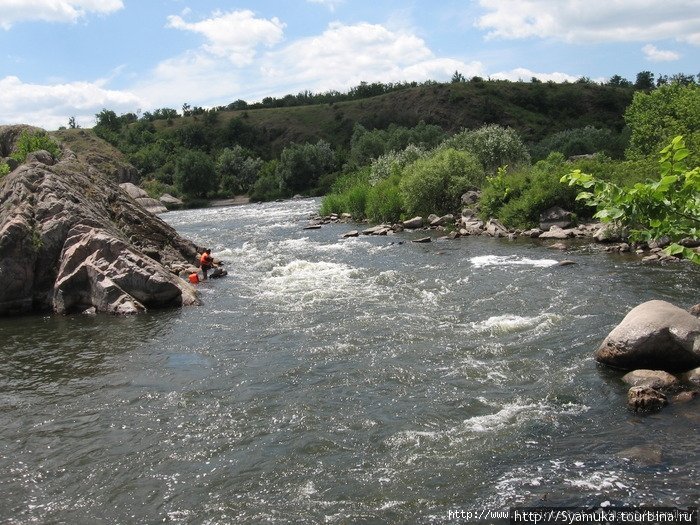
(331, 380)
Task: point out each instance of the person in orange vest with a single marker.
(193, 278)
(206, 261)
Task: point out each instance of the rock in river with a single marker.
(654, 335)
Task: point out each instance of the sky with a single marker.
(73, 58)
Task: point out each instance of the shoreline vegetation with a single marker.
(389, 152)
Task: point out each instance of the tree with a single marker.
(618, 81)
(71, 123)
(301, 165)
(195, 175)
(645, 81)
(668, 207)
(458, 77)
(435, 184)
(493, 145)
(237, 171)
(654, 118)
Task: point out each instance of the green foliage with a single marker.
(156, 188)
(349, 195)
(385, 201)
(517, 199)
(268, 186)
(29, 142)
(237, 170)
(366, 146)
(493, 145)
(301, 165)
(394, 162)
(4, 169)
(195, 174)
(656, 117)
(580, 141)
(435, 184)
(668, 207)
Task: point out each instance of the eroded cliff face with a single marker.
(71, 239)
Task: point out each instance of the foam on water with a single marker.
(507, 323)
(483, 261)
(517, 412)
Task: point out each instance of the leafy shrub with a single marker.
(580, 141)
(493, 145)
(393, 162)
(4, 170)
(301, 165)
(385, 201)
(349, 195)
(155, 188)
(667, 207)
(517, 199)
(435, 184)
(195, 175)
(237, 170)
(268, 186)
(656, 117)
(30, 142)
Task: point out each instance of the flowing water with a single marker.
(329, 380)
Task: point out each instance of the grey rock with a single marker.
(351, 233)
(692, 376)
(169, 201)
(647, 455)
(654, 335)
(42, 157)
(645, 399)
(555, 216)
(422, 240)
(471, 197)
(555, 232)
(414, 223)
(495, 229)
(657, 379)
(609, 233)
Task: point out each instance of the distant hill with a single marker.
(535, 110)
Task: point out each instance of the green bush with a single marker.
(195, 175)
(493, 145)
(268, 186)
(4, 170)
(435, 184)
(30, 142)
(385, 201)
(517, 199)
(581, 141)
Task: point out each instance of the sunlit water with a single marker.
(329, 380)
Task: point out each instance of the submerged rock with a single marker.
(654, 335)
(71, 239)
(645, 399)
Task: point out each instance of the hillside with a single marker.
(535, 110)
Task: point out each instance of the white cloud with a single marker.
(331, 4)
(234, 35)
(526, 75)
(13, 11)
(344, 55)
(588, 21)
(651, 52)
(49, 106)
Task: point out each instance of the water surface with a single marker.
(329, 380)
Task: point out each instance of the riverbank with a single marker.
(603, 236)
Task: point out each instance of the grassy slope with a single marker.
(94, 151)
(534, 110)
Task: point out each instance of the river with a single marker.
(329, 380)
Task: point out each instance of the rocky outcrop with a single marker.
(142, 198)
(71, 239)
(645, 399)
(654, 335)
(657, 379)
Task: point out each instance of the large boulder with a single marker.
(654, 335)
(555, 216)
(71, 239)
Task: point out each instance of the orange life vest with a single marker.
(205, 259)
(194, 278)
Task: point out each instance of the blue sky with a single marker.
(63, 58)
